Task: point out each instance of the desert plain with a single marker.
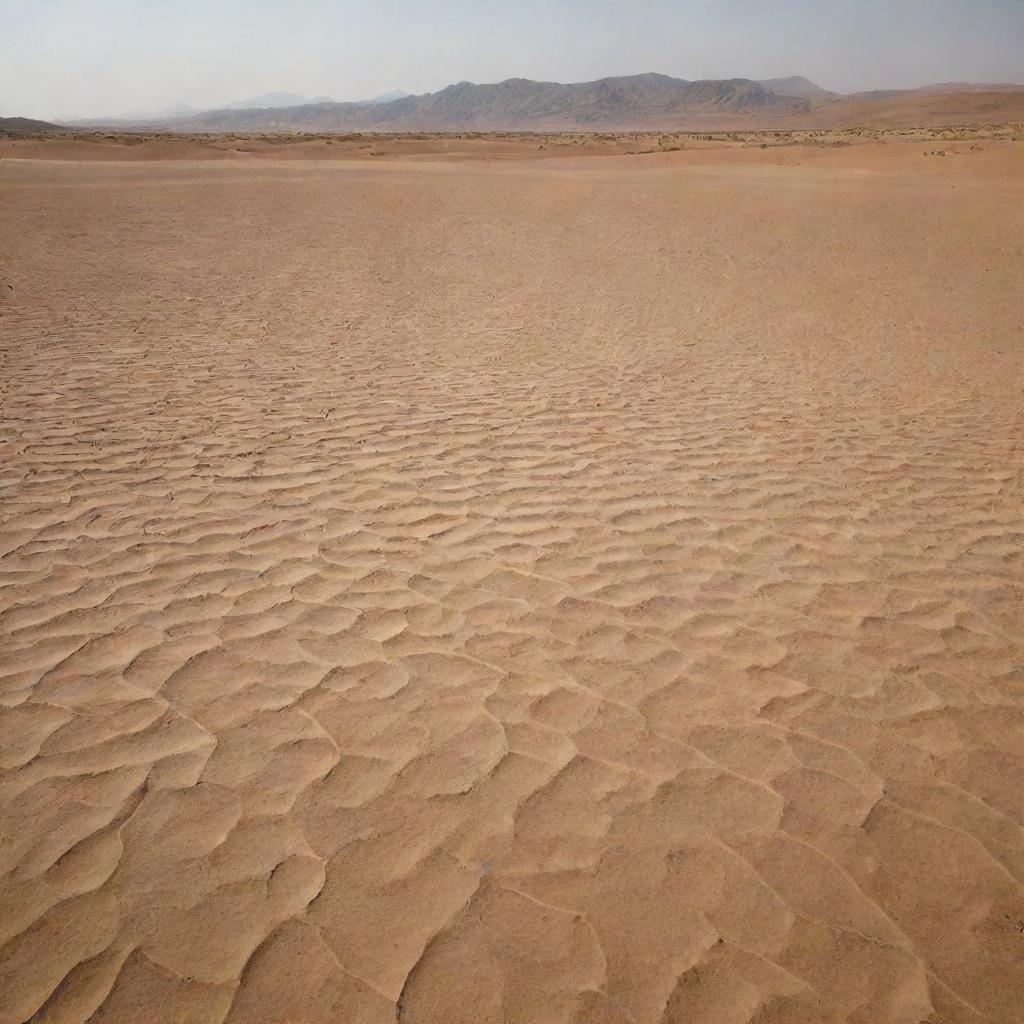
(531, 580)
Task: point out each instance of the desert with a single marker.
(523, 577)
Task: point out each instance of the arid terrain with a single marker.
(512, 580)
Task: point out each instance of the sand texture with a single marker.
(513, 591)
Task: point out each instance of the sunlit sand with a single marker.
(475, 583)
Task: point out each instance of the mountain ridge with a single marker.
(648, 101)
(275, 100)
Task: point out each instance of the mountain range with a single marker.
(275, 100)
(266, 101)
(633, 102)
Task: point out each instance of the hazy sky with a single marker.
(66, 58)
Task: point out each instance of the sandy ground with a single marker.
(538, 591)
(718, 146)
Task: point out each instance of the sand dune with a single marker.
(554, 590)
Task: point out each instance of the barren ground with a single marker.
(473, 590)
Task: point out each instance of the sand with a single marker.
(540, 590)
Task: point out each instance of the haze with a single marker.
(69, 58)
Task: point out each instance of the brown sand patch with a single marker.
(536, 590)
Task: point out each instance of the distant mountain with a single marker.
(275, 101)
(388, 97)
(939, 89)
(633, 101)
(796, 85)
(171, 117)
(946, 88)
(164, 114)
(649, 102)
(172, 110)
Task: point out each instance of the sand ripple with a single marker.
(579, 594)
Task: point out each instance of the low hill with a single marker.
(929, 107)
(28, 126)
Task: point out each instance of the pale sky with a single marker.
(68, 58)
